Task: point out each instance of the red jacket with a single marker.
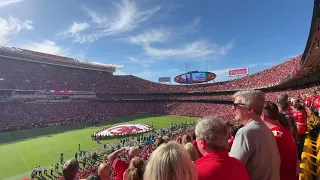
(301, 119)
(317, 103)
(219, 165)
(120, 167)
(288, 153)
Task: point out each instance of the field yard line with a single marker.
(41, 148)
(20, 154)
(59, 132)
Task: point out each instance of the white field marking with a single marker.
(20, 154)
(41, 149)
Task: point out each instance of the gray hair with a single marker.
(214, 131)
(253, 98)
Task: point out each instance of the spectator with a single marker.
(104, 171)
(119, 165)
(292, 125)
(233, 131)
(283, 99)
(286, 144)
(70, 169)
(301, 118)
(254, 144)
(93, 177)
(170, 162)
(185, 139)
(179, 139)
(194, 142)
(135, 170)
(192, 151)
(212, 139)
(105, 158)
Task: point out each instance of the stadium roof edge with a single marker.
(315, 15)
(62, 59)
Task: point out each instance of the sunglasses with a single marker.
(235, 105)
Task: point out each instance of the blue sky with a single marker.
(155, 39)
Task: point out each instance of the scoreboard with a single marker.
(194, 77)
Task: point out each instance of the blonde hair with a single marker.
(170, 162)
(192, 151)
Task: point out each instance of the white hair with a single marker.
(253, 98)
(214, 131)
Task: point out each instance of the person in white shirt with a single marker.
(45, 170)
(40, 171)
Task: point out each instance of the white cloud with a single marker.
(143, 63)
(74, 31)
(192, 27)
(11, 27)
(8, 2)
(46, 46)
(173, 70)
(196, 49)
(128, 17)
(133, 60)
(78, 27)
(120, 72)
(150, 36)
(94, 16)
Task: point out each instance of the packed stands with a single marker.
(26, 75)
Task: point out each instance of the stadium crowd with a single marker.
(264, 142)
(24, 115)
(268, 146)
(38, 114)
(25, 75)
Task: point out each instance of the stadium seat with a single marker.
(310, 165)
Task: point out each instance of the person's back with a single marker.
(256, 148)
(219, 165)
(288, 153)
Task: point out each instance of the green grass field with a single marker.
(22, 151)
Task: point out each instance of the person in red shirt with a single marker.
(307, 101)
(317, 105)
(314, 97)
(212, 141)
(301, 118)
(119, 165)
(286, 144)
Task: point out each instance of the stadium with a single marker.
(55, 108)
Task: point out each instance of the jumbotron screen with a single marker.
(194, 77)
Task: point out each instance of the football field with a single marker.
(22, 151)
